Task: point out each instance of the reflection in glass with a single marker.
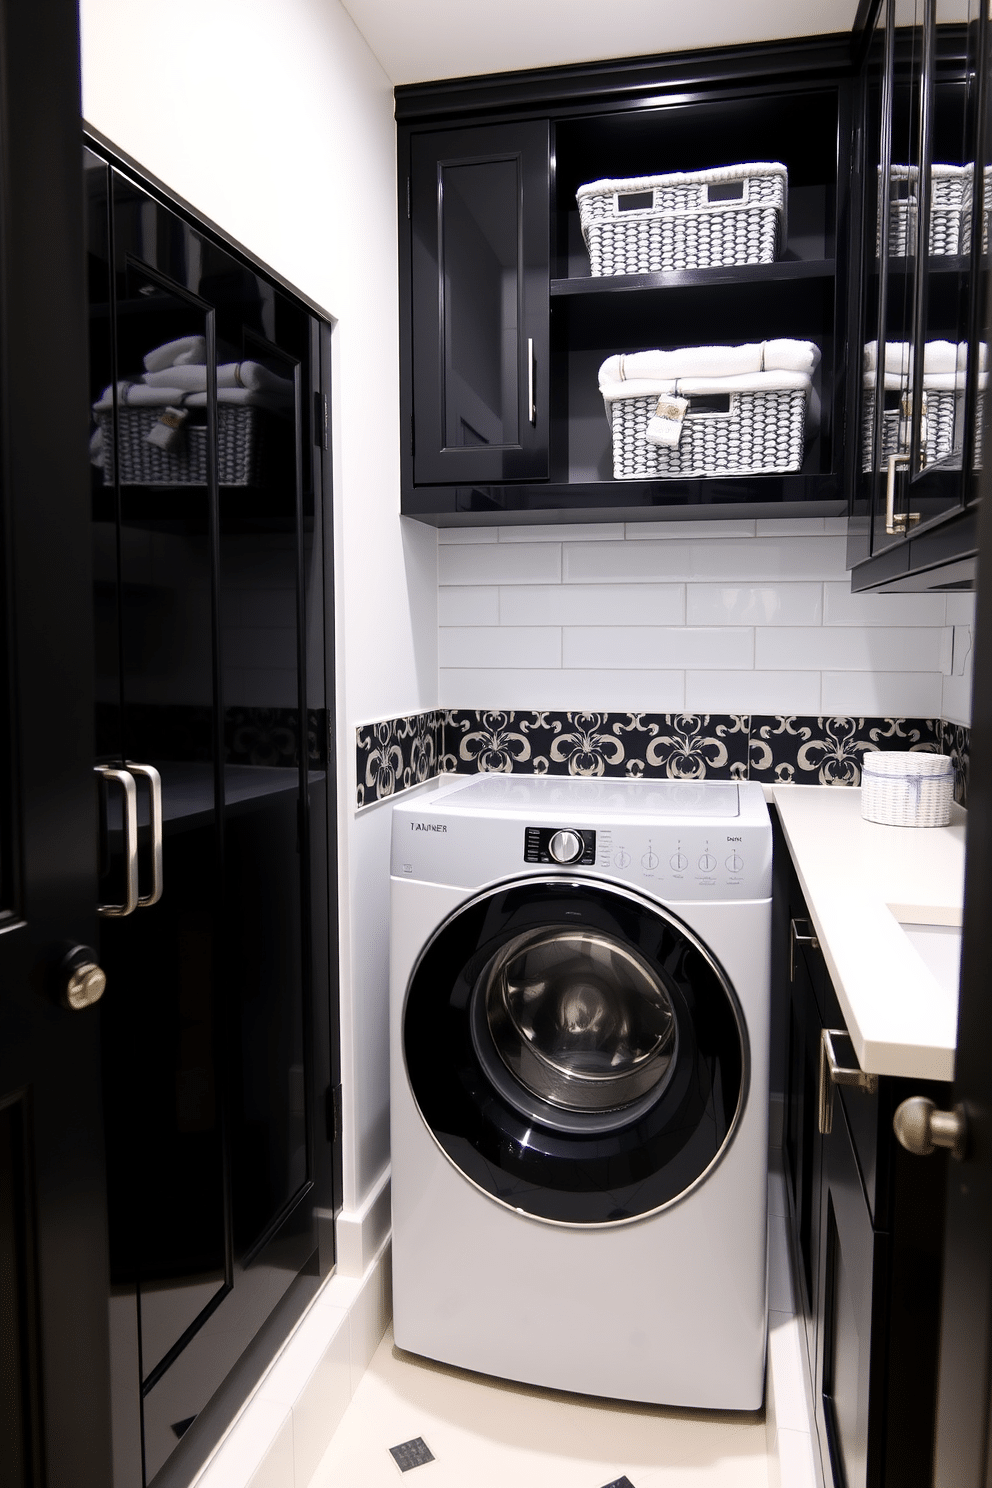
(480, 248)
(581, 1020)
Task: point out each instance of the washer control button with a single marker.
(707, 862)
(565, 847)
(622, 858)
(679, 862)
(735, 862)
(649, 860)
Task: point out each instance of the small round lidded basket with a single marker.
(904, 789)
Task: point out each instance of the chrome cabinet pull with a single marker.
(799, 934)
(895, 525)
(531, 381)
(125, 780)
(831, 1074)
(149, 773)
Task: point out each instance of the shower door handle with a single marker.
(129, 824)
(149, 773)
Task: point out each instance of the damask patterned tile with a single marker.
(829, 750)
(396, 754)
(271, 736)
(679, 746)
(956, 741)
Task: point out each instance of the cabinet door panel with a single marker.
(480, 215)
(850, 1254)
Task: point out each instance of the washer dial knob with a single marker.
(707, 862)
(565, 847)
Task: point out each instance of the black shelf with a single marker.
(783, 271)
(711, 497)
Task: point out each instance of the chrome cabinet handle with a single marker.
(149, 773)
(831, 1074)
(799, 934)
(895, 525)
(125, 780)
(920, 1127)
(531, 381)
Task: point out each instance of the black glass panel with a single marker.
(582, 1168)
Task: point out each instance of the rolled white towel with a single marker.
(184, 352)
(250, 375)
(711, 361)
(138, 395)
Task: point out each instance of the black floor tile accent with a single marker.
(414, 1453)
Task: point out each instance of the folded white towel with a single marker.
(710, 361)
(945, 363)
(250, 375)
(186, 351)
(137, 395)
(243, 397)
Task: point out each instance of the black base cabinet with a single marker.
(866, 1222)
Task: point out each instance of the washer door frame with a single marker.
(573, 1174)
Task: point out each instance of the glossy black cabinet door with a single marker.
(480, 265)
(206, 459)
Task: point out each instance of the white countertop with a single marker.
(860, 880)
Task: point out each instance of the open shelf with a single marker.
(783, 271)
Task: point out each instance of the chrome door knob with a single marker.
(565, 847)
(921, 1128)
(83, 981)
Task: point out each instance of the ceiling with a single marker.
(419, 40)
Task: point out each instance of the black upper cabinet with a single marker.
(504, 328)
(480, 256)
(925, 249)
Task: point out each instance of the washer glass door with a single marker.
(575, 1050)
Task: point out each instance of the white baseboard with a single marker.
(790, 1431)
(359, 1233)
(286, 1425)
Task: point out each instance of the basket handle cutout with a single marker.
(704, 404)
(724, 191)
(634, 201)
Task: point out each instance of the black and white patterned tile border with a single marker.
(774, 748)
(396, 754)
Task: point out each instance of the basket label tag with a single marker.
(168, 432)
(666, 425)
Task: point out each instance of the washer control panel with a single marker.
(559, 845)
(687, 862)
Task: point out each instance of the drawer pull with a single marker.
(799, 934)
(831, 1074)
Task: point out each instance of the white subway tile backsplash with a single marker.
(448, 535)
(589, 688)
(591, 604)
(960, 609)
(565, 532)
(500, 646)
(788, 526)
(754, 604)
(752, 692)
(841, 607)
(720, 527)
(501, 563)
(901, 649)
(469, 605)
(775, 558)
(892, 694)
(657, 646)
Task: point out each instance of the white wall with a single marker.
(725, 616)
(273, 118)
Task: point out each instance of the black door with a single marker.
(54, 1377)
(480, 239)
(207, 387)
(576, 1051)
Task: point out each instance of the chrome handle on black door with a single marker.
(531, 382)
(831, 1074)
(129, 824)
(149, 773)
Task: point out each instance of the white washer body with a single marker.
(669, 1308)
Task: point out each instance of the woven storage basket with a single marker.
(904, 789)
(945, 392)
(686, 220)
(757, 426)
(239, 435)
(950, 210)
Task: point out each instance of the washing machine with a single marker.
(579, 1084)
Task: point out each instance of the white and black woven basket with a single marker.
(760, 434)
(685, 220)
(906, 789)
(239, 436)
(949, 232)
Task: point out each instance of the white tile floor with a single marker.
(485, 1433)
